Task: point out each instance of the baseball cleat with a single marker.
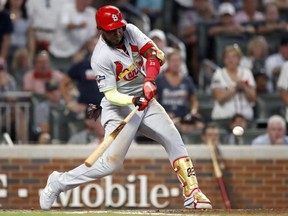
(197, 200)
(50, 192)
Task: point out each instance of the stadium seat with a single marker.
(223, 40)
(268, 104)
(251, 134)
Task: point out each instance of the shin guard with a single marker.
(185, 172)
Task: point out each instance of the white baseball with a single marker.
(238, 131)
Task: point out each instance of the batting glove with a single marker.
(149, 89)
(140, 101)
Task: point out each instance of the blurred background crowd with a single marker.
(227, 66)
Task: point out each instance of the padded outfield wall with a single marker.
(256, 177)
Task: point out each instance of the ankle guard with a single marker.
(185, 172)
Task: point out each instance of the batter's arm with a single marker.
(155, 58)
(117, 98)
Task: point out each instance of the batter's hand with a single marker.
(140, 101)
(149, 89)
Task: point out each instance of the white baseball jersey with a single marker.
(121, 70)
(116, 69)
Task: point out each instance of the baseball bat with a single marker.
(219, 176)
(93, 157)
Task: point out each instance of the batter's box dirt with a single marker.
(168, 212)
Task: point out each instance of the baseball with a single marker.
(238, 131)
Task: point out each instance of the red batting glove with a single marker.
(140, 101)
(149, 89)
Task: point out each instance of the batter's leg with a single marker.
(110, 161)
(158, 126)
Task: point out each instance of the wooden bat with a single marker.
(218, 175)
(93, 157)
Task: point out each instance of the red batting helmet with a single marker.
(109, 18)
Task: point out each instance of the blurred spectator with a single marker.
(82, 75)
(22, 36)
(282, 86)
(6, 29)
(202, 11)
(45, 16)
(76, 26)
(90, 135)
(233, 87)
(275, 61)
(21, 64)
(159, 38)
(226, 22)
(281, 4)
(211, 133)
(249, 13)
(238, 4)
(43, 122)
(7, 81)
(153, 8)
(176, 93)
(35, 79)
(257, 51)
(272, 21)
(8, 85)
(276, 133)
(237, 120)
(262, 83)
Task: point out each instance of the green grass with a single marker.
(217, 212)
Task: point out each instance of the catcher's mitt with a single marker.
(94, 111)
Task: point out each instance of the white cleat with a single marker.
(50, 192)
(197, 200)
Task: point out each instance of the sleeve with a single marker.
(191, 86)
(216, 81)
(143, 42)
(105, 77)
(257, 141)
(249, 78)
(282, 82)
(8, 27)
(269, 65)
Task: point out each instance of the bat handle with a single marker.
(94, 156)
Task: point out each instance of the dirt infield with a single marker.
(171, 212)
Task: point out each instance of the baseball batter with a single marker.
(118, 64)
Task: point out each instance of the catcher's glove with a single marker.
(94, 111)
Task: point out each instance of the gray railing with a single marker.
(15, 109)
